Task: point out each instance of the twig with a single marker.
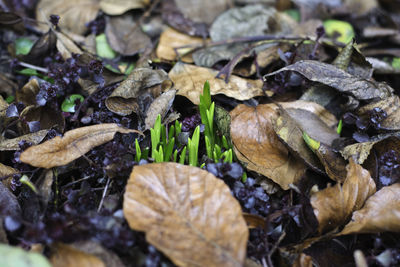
(27, 65)
(104, 194)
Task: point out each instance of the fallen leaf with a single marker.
(202, 11)
(334, 205)
(381, 213)
(48, 118)
(75, 14)
(17, 257)
(160, 105)
(342, 81)
(171, 39)
(9, 205)
(303, 260)
(189, 81)
(123, 100)
(187, 213)
(125, 36)
(118, 7)
(13, 144)
(75, 143)
(256, 144)
(334, 163)
(7, 171)
(27, 94)
(67, 256)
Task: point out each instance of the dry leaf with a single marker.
(60, 151)
(171, 39)
(204, 11)
(67, 256)
(381, 213)
(189, 81)
(303, 260)
(256, 143)
(123, 100)
(7, 171)
(334, 205)
(341, 80)
(27, 94)
(13, 144)
(118, 7)
(125, 35)
(74, 14)
(187, 213)
(160, 105)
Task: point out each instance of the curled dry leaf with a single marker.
(334, 205)
(189, 81)
(169, 42)
(118, 7)
(160, 105)
(381, 213)
(67, 256)
(187, 213)
(256, 144)
(75, 14)
(123, 100)
(13, 144)
(341, 80)
(75, 143)
(334, 163)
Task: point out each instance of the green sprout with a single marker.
(25, 180)
(193, 147)
(313, 144)
(68, 105)
(339, 127)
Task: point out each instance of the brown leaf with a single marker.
(160, 105)
(202, 11)
(7, 171)
(342, 81)
(187, 213)
(303, 260)
(171, 39)
(334, 163)
(381, 213)
(75, 143)
(47, 116)
(125, 35)
(75, 14)
(118, 7)
(123, 100)
(13, 144)
(27, 94)
(334, 205)
(256, 144)
(189, 81)
(67, 256)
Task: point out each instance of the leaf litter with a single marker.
(302, 173)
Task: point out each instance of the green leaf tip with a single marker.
(339, 127)
(313, 144)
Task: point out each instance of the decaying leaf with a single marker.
(9, 205)
(160, 105)
(171, 39)
(125, 36)
(256, 144)
(187, 213)
(75, 143)
(123, 100)
(118, 7)
(189, 81)
(27, 94)
(75, 14)
(45, 115)
(342, 81)
(7, 171)
(391, 106)
(334, 163)
(303, 260)
(334, 205)
(202, 11)
(381, 213)
(67, 256)
(13, 144)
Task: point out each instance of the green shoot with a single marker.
(25, 180)
(312, 144)
(339, 127)
(169, 149)
(155, 134)
(138, 155)
(159, 155)
(193, 146)
(183, 156)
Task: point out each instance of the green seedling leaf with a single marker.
(171, 133)
(28, 72)
(396, 63)
(25, 180)
(313, 144)
(178, 128)
(339, 127)
(103, 49)
(244, 177)
(155, 134)
(68, 105)
(138, 151)
(183, 156)
(23, 46)
(344, 28)
(225, 142)
(208, 147)
(175, 155)
(159, 155)
(10, 99)
(294, 14)
(17, 257)
(169, 149)
(193, 144)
